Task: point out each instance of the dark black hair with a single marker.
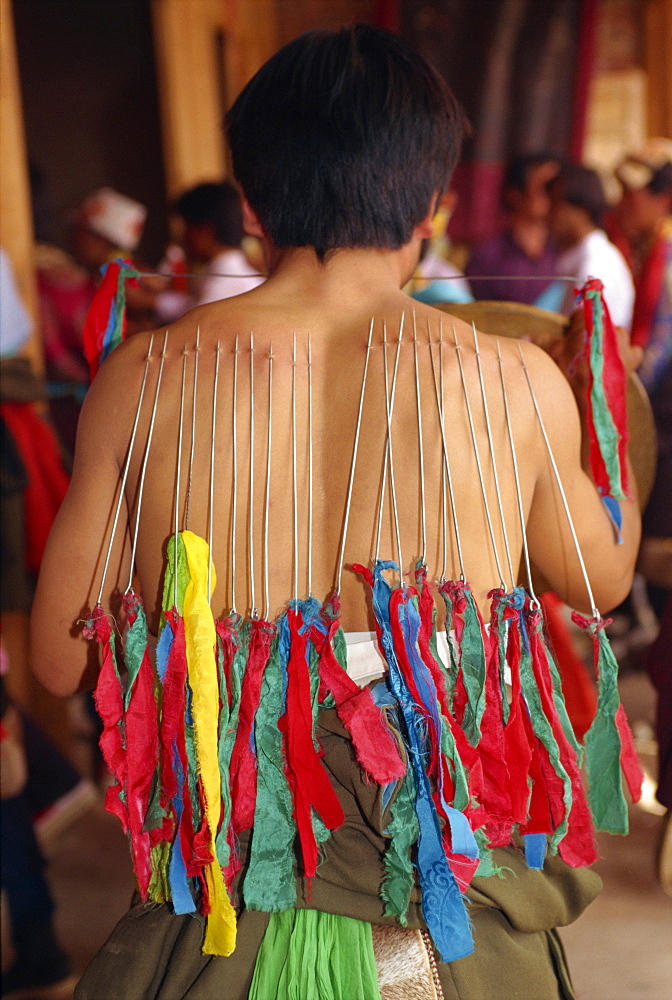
(342, 138)
(582, 187)
(218, 203)
(518, 169)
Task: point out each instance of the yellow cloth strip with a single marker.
(199, 630)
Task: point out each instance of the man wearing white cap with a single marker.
(106, 225)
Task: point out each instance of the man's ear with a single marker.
(424, 228)
(251, 223)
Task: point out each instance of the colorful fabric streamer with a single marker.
(219, 736)
(606, 399)
(105, 323)
(609, 743)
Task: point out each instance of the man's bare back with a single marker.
(327, 310)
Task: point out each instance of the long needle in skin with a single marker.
(310, 468)
(388, 408)
(267, 497)
(492, 455)
(127, 463)
(444, 498)
(211, 502)
(351, 478)
(251, 509)
(197, 351)
(178, 473)
(418, 402)
(234, 480)
(595, 612)
(295, 502)
(390, 405)
(516, 477)
(446, 461)
(458, 351)
(145, 460)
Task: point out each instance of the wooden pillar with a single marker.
(205, 53)
(16, 237)
(16, 225)
(657, 49)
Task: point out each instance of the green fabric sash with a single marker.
(309, 955)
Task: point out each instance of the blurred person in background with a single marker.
(39, 969)
(644, 234)
(34, 775)
(211, 215)
(523, 250)
(644, 220)
(578, 205)
(106, 225)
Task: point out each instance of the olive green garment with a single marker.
(154, 955)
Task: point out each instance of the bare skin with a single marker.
(334, 303)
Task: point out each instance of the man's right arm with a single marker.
(609, 564)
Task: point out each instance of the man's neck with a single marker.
(357, 273)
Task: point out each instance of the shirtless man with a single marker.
(342, 144)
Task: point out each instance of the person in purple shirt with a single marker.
(500, 268)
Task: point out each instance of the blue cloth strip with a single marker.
(442, 903)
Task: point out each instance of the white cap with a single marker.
(112, 215)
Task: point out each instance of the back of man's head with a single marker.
(342, 139)
(582, 187)
(218, 204)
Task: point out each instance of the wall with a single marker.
(90, 106)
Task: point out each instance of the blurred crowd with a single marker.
(559, 229)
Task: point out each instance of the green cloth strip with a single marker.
(472, 663)
(269, 882)
(403, 832)
(603, 746)
(168, 600)
(605, 428)
(543, 730)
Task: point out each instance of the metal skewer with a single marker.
(197, 350)
(295, 503)
(310, 468)
(516, 477)
(253, 610)
(267, 498)
(127, 463)
(446, 461)
(474, 442)
(595, 612)
(145, 460)
(388, 408)
(234, 482)
(178, 473)
(212, 466)
(388, 404)
(351, 479)
(492, 455)
(423, 513)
